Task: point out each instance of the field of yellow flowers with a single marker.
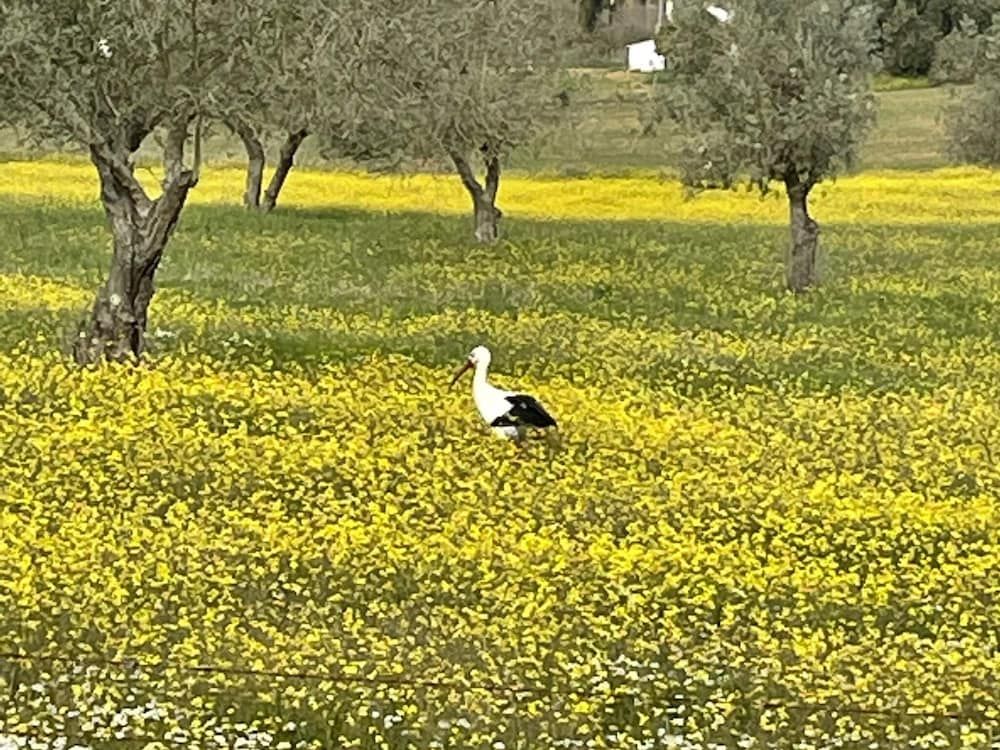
(767, 522)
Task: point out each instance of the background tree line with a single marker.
(935, 38)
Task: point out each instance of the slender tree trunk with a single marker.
(800, 266)
(485, 212)
(589, 13)
(140, 230)
(255, 162)
(286, 160)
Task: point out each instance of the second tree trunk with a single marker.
(487, 217)
(256, 162)
(286, 160)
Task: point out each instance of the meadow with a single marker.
(769, 521)
(606, 136)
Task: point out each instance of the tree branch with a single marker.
(163, 218)
(197, 147)
(117, 175)
(467, 175)
(492, 178)
(243, 129)
(173, 151)
(77, 128)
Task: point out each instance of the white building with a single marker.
(643, 56)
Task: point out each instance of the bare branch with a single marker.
(467, 175)
(197, 147)
(492, 178)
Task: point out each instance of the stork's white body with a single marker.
(491, 402)
(509, 414)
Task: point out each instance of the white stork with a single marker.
(508, 413)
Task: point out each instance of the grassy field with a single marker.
(609, 137)
(765, 516)
(606, 136)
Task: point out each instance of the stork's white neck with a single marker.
(479, 377)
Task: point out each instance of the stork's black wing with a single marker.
(524, 411)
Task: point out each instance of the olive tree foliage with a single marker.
(957, 55)
(972, 123)
(284, 54)
(910, 30)
(467, 81)
(909, 33)
(778, 93)
(108, 76)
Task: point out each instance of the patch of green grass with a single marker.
(909, 133)
(887, 82)
(607, 135)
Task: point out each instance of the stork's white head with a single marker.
(478, 357)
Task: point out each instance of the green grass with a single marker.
(608, 135)
(609, 138)
(886, 82)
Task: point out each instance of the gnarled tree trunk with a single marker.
(801, 263)
(485, 212)
(140, 229)
(286, 160)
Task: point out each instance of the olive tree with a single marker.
(109, 76)
(778, 92)
(910, 30)
(972, 123)
(909, 33)
(283, 55)
(956, 56)
(468, 82)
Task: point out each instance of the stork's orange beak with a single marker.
(467, 366)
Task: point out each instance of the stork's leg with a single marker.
(518, 437)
